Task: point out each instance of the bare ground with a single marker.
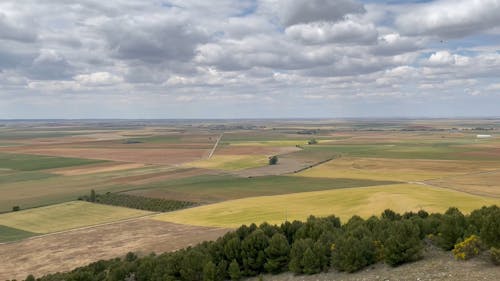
(68, 250)
(436, 265)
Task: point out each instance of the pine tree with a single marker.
(403, 244)
(234, 270)
(277, 254)
(92, 196)
(311, 262)
(209, 272)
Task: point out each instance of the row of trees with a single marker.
(137, 202)
(304, 247)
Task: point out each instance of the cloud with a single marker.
(152, 39)
(50, 65)
(305, 11)
(98, 79)
(347, 31)
(12, 30)
(450, 18)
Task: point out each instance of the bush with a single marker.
(273, 160)
(403, 244)
(468, 248)
(16, 208)
(495, 255)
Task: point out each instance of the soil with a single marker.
(67, 250)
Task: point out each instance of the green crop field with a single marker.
(364, 201)
(22, 162)
(8, 234)
(66, 216)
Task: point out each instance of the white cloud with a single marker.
(450, 18)
(98, 79)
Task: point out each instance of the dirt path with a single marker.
(215, 146)
(67, 250)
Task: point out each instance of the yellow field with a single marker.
(484, 183)
(230, 162)
(396, 169)
(344, 203)
(66, 216)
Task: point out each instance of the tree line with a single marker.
(314, 246)
(137, 202)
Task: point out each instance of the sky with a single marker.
(249, 58)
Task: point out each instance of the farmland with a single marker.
(354, 167)
(364, 201)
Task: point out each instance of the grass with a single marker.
(230, 162)
(344, 203)
(23, 176)
(218, 188)
(9, 234)
(66, 216)
(395, 169)
(23, 162)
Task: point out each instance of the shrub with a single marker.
(495, 255)
(468, 248)
(273, 160)
(16, 208)
(403, 244)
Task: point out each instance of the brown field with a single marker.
(164, 156)
(99, 168)
(166, 175)
(254, 150)
(71, 249)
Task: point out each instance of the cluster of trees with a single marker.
(273, 160)
(304, 247)
(136, 202)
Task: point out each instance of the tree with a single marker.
(354, 250)
(252, 252)
(297, 255)
(273, 160)
(451, 229)
(209, 271)
(490, 231)
(234, 270)
(92, 196)
(403, 244)
(30, 278)
(311, 262)
(312, 141)
(277, 254)
(16, 208)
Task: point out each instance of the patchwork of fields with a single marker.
(352, 168)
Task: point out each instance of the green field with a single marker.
(22, 162)
(8, 234)
(365, 201)
(219, 188)
(66, 216)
